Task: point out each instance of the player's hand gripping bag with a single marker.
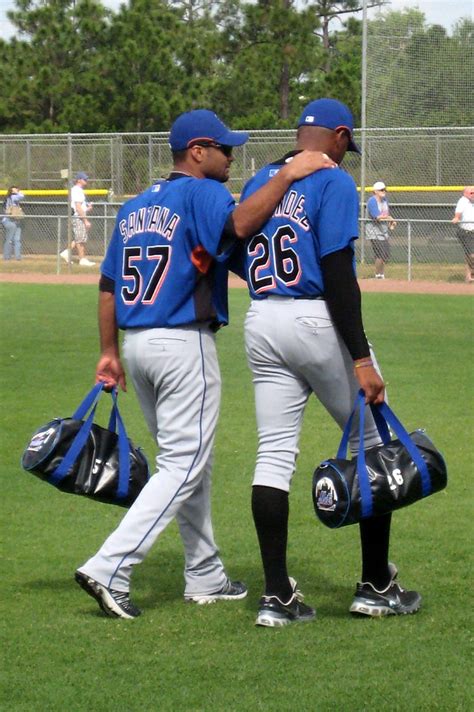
(380, 479)
(78, 456)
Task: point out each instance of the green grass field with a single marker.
(60, 653)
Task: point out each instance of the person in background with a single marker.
(378, 226)
(464, 221)
(80, 224)
(12, 223)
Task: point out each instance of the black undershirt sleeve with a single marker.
(106, 284)
(342, 294)
(228, 236)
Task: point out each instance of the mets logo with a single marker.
(40, 439)
(325, 495)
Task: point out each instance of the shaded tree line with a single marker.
(76, 66)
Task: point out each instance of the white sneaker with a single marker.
(66, 255)
(379, 276)
(85, 262)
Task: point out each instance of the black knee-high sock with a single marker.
(270, 509)
(375, 540)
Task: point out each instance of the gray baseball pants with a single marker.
(294, 350)
(176, 376)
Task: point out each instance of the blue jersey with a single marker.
(317, 216)
(376, 209)
(164, 255)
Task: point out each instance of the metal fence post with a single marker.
(150, 160)
(438, 162)
(105, 227)
(58, 246)
(363, 111)
(409, 251)
(29, 181)
(69, 186)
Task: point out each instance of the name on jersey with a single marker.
(292, 207)
(154, 219)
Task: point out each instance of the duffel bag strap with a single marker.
(91, 398)
(113, 416)
(379, 422)
(387, 413)
(364, 482)
(124, 450)
(80, 440)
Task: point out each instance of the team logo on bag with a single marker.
(325, 495)
(39, 440)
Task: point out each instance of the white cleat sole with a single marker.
(205, 600)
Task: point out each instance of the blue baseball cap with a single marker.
(330, 114)
(202, 125)
(82, 176)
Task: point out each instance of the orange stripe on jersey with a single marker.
(201, 259)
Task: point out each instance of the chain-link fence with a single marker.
(420, 249)
(424, 169)
(125, 164)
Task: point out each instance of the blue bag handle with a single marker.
(405, 439)
(366, 500)
(383, 416)
(91, 400)
(124, 450)
(379, 421)
(88, 401)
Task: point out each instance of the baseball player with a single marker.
(80, 224)
(164, 283)
(304, 334)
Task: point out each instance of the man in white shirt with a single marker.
(464, 221)
(80, 224)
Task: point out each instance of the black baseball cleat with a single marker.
(274, 613)
(392, 601)
(231, 591)
(115, 604)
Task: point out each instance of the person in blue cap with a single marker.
(164, 282)
(304, 334)
(80, 208)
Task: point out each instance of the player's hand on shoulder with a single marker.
(307, 162)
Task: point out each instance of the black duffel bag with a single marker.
(80, 457)
(380, 479)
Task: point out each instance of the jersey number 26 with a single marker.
(278, 260)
